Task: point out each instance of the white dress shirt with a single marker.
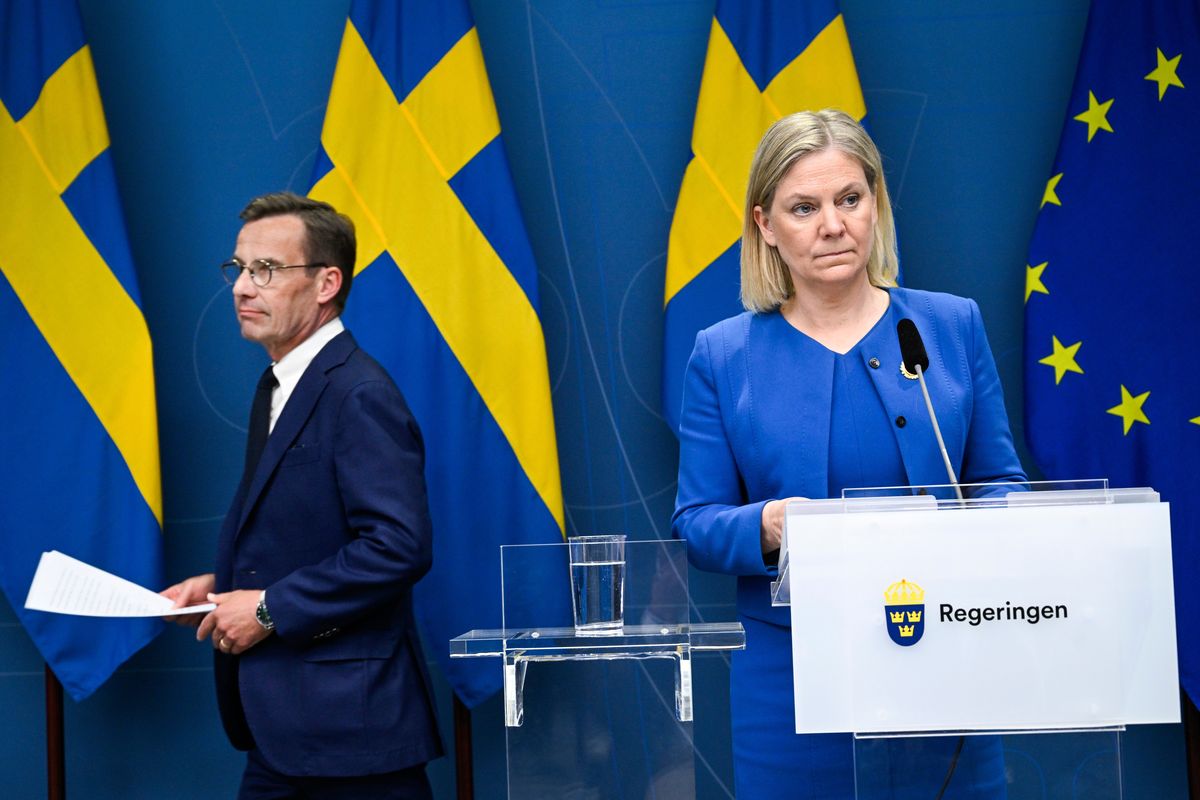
(289, 368)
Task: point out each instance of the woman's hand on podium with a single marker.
(771, 531)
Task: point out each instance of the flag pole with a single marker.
(464, 775)
(56, 762)
(1191, 736)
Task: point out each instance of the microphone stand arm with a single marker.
(937, 431)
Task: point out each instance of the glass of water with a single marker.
(598, 583)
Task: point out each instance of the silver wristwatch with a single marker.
(262, 615)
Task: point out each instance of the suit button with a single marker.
(901, 422)
(874, 362)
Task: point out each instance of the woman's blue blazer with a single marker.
(756, 418)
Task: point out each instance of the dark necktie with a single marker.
(260, 420)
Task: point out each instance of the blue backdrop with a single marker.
(210, 103)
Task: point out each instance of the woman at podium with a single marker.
(804, 395)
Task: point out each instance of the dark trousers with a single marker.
(261, 782)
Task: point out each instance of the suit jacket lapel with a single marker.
(795, 459)
(901, 397)
(295, 414)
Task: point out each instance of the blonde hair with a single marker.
(766, 281)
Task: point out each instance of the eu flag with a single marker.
(79, 471)
(1112, 300)
(446, 298)
(765, 60)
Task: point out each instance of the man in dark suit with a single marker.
(319, 671)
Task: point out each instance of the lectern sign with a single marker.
(999, 618)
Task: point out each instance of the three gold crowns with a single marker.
(904, 593)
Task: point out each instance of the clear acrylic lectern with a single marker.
(598, 711)
(989, 646)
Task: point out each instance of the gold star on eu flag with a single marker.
(1096, 116)
(1033, 280)
(1166, 73)
(1051, 194)
(1130, 409)
(1062, 359)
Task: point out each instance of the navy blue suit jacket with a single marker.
(334, 524)
(756, 418)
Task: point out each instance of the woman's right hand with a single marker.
(771, 531)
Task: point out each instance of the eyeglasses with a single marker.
(260, 270)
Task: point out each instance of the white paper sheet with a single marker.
(64, 585)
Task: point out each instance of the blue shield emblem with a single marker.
(904, 612)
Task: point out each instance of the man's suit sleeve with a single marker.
(722, 530)
(379, 463)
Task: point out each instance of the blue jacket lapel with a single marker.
(798, 456)
(295, 415)
(901, 397)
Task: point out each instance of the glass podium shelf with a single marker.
(519, 647)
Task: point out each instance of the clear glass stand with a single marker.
(612, 716)
(675, 643)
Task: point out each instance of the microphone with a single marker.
(916, 361)
(912, 349)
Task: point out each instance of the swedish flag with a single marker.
(79, 471)
(446, 298)
(1112, 300)
(766, 59)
